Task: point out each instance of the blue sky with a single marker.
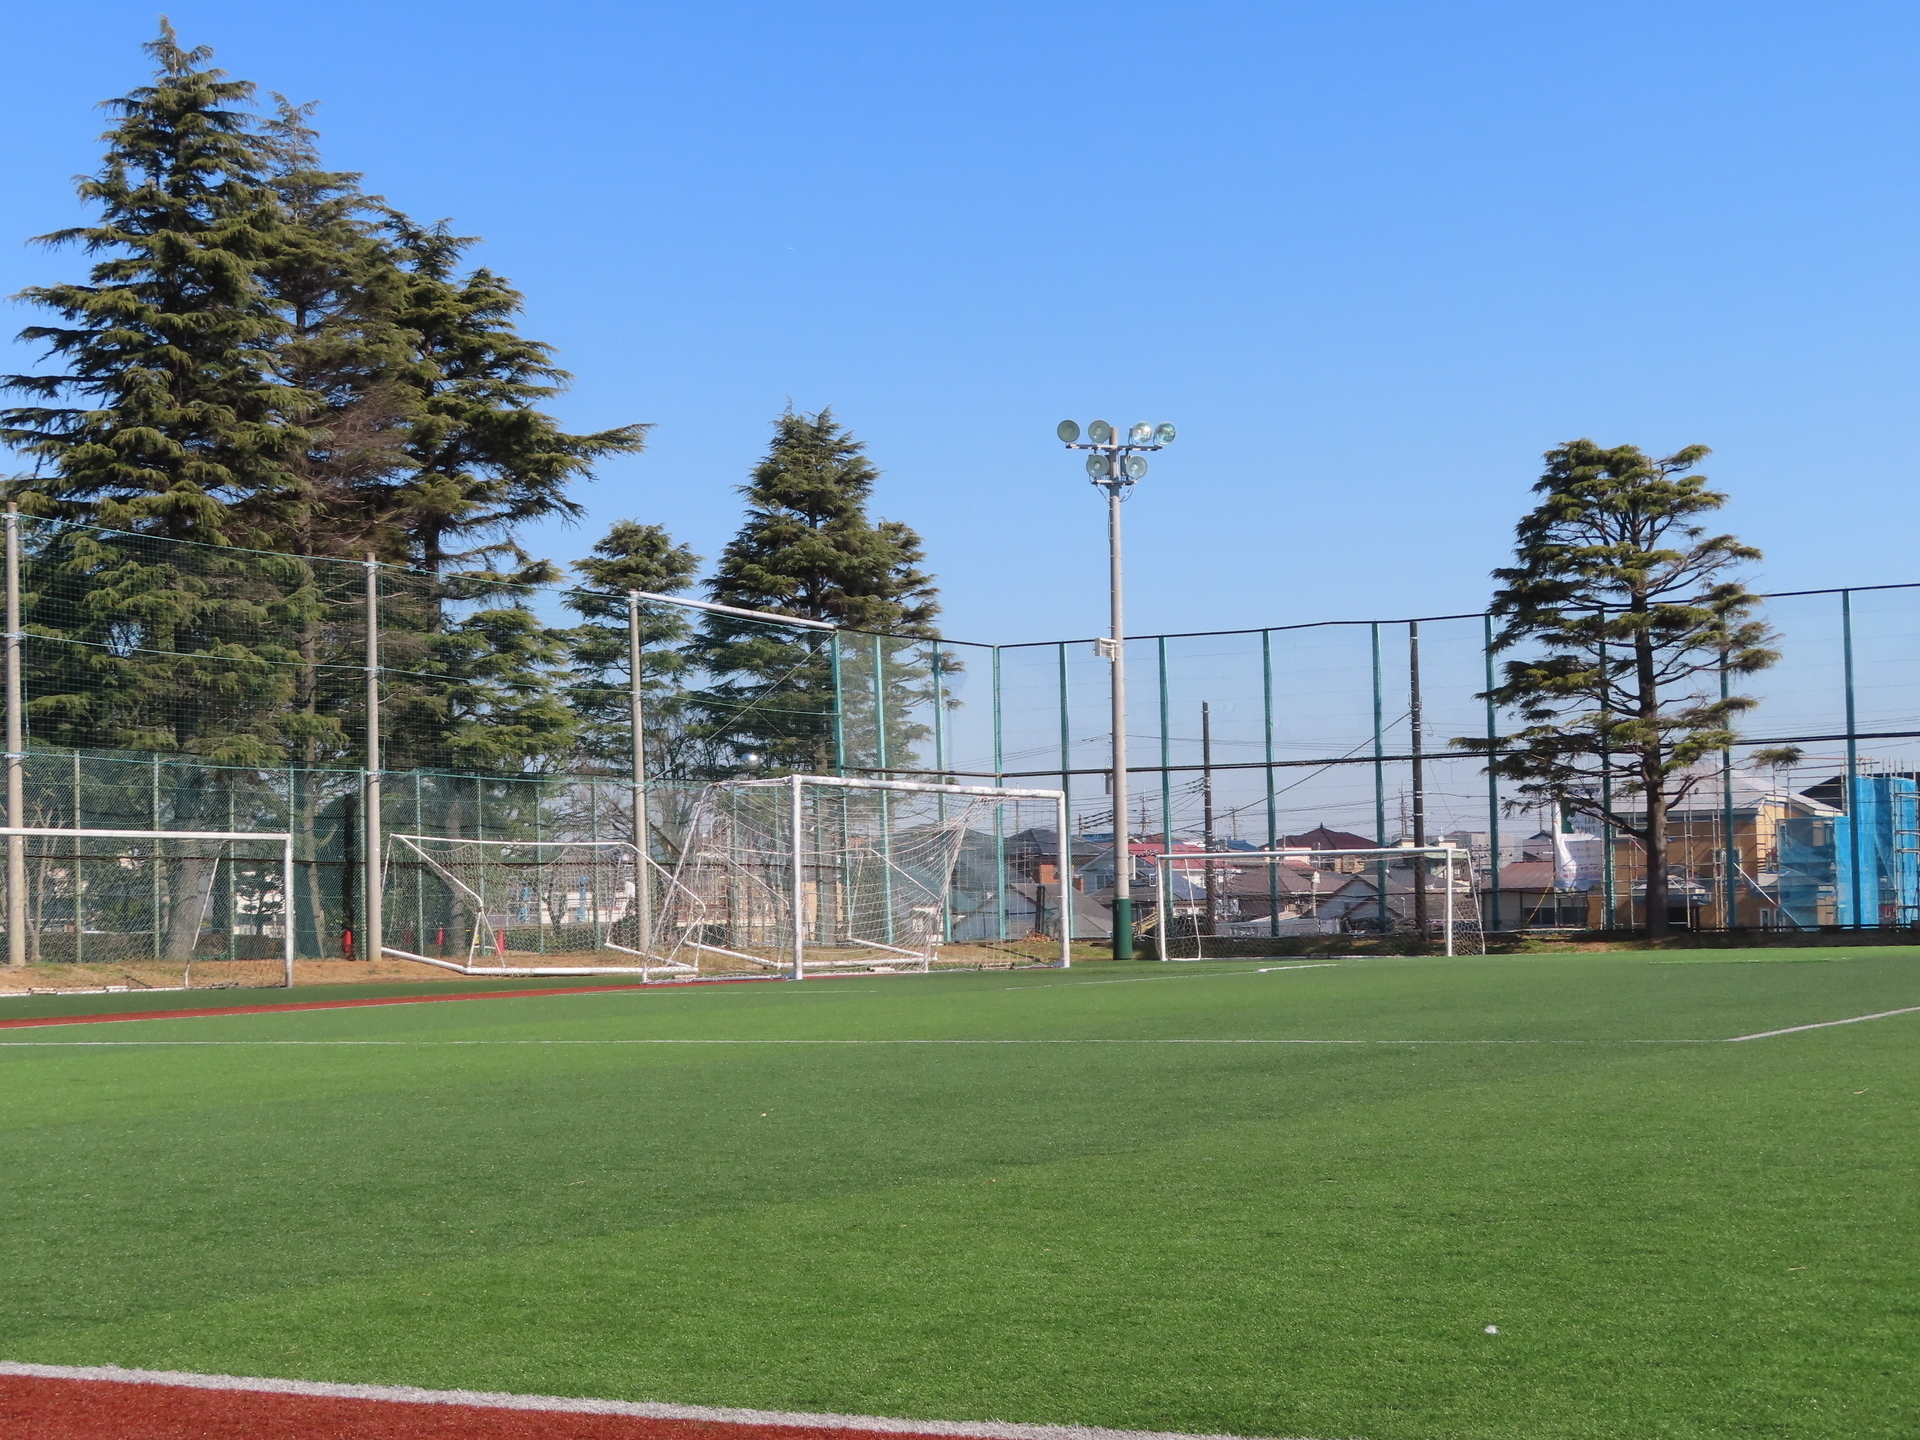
(1372, 258)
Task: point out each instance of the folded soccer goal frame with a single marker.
(1167, 862)
(416, 848)
(795, 900)
(17, 836)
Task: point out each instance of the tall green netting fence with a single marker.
(177, 687)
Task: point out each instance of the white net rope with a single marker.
(155, 911)
(884, 877)
(1244, 905)
(521, 905)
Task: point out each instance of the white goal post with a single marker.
(1228, 901)
(812, 873)
(522, 907)
(145, 900)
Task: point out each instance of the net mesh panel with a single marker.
(155, 913)
(1255, 905)
(888, 879)
(515, 904)
(173, 685)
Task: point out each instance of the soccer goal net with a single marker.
(521, 907)
(1230, 904)
(150, 909)
(817, 873)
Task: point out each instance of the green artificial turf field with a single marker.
(1106, 1196)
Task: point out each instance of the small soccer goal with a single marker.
(521, 907)
(1235, 904)
(811, 874)
(150, 909)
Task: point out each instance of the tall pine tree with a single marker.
(808, 549)
(631, 556)
(162, 421)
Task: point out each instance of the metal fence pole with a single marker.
(1493, 788)
(1273, 814)
(840, 707)
(1608, 898)
(1379, 780)
(372, 921)
(637, 720)
(16, 744)
(1853, 764)
(1166, 756)
(999, 811)
(1065, 868)
(799, 882)
(1729, 861)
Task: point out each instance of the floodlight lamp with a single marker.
(1097, 467)
(1140, 434)
(1068, 431)
(1163, 433)
(1136, 466)
(1100, 432)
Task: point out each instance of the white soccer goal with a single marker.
(814, 873)
(522, 907)
(1228, 904)
(155, 909)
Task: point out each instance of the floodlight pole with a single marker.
(1112, 467)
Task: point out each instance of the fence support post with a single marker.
(1493, 787)
(372, 922)
(799, 880)
(1856, 893)
(642, 826)
(16, 742)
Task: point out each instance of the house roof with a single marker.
(1529, 875)
(1322, 838)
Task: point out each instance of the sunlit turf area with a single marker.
(1273, 1199)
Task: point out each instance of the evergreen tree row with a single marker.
(270, 374)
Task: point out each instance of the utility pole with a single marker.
(1113, 466)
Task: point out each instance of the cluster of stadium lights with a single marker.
(1115, 462)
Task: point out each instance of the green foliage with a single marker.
(808, 549)
(1630, 622)
(631, 556)
(166, 417)
(266, 357)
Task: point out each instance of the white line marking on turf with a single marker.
(427, 1044)
(1822, 1025)
(496, 1400)
(1150, 979)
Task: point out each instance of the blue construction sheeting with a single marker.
(1877, 841)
